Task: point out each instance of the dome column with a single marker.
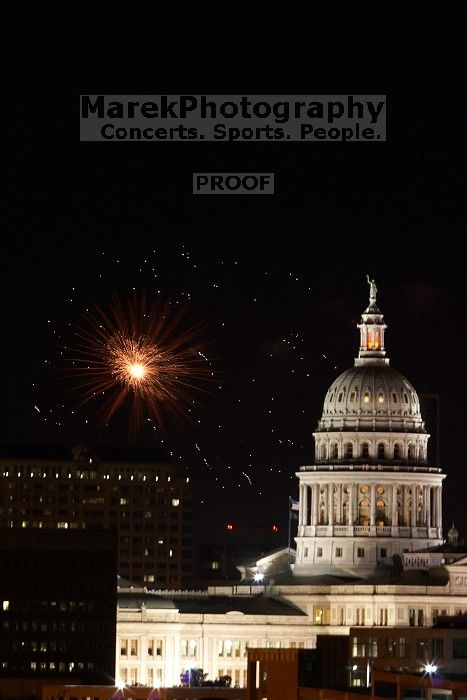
(330, 504)
(414, 508)
(314, 519)
(440, 513)
(394, 521)
(372, 505)
(305, 506)
(350, 508)
(300, 506)
(428, 506)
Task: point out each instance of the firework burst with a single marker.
(138, 354)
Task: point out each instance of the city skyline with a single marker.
(271, 278)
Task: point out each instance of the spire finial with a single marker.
(373, 290)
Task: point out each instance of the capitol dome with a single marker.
(372, 390)
(372, 396)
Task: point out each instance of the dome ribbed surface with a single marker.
(372, 390)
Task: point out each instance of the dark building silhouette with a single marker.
(57, 608)
(136, 492)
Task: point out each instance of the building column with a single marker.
(440, 510)
(330, 504)
(414, 504)
(339, 505)
(300, 505)
(428, 506)
(394, 521)
(305, 505)
(350, 508)
(315, 503)
(372, 505)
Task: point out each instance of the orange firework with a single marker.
(137, 353)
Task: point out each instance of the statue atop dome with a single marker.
(373, 290)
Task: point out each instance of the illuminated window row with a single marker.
(130, 647)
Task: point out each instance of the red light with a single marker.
(230, 526)
(275, 528)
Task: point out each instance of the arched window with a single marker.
(367, 396)
(324, 452)
(380, 397)
(365, 449)
(397, 451)
(352, 397)
(335, 451)
(394, 397)
(420, 454)
(406, 398)
(411, 452)
(381, 452)
(339, 398)
(349, 450)
(364, 511)
(380, 512)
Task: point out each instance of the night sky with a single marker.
(278, 282)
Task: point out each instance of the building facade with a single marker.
(57, 608)
(139, 494)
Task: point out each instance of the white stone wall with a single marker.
(218, 643)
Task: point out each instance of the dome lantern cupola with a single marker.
(372, 329)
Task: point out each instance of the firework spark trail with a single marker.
(136, 352)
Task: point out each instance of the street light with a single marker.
(430, 668)
(257, 578)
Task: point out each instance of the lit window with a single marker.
(175, 502)
(380, 397)
(214, 565)
(366, 397)
(6, 605)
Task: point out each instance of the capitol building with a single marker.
(370, 494)
(370, 551)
